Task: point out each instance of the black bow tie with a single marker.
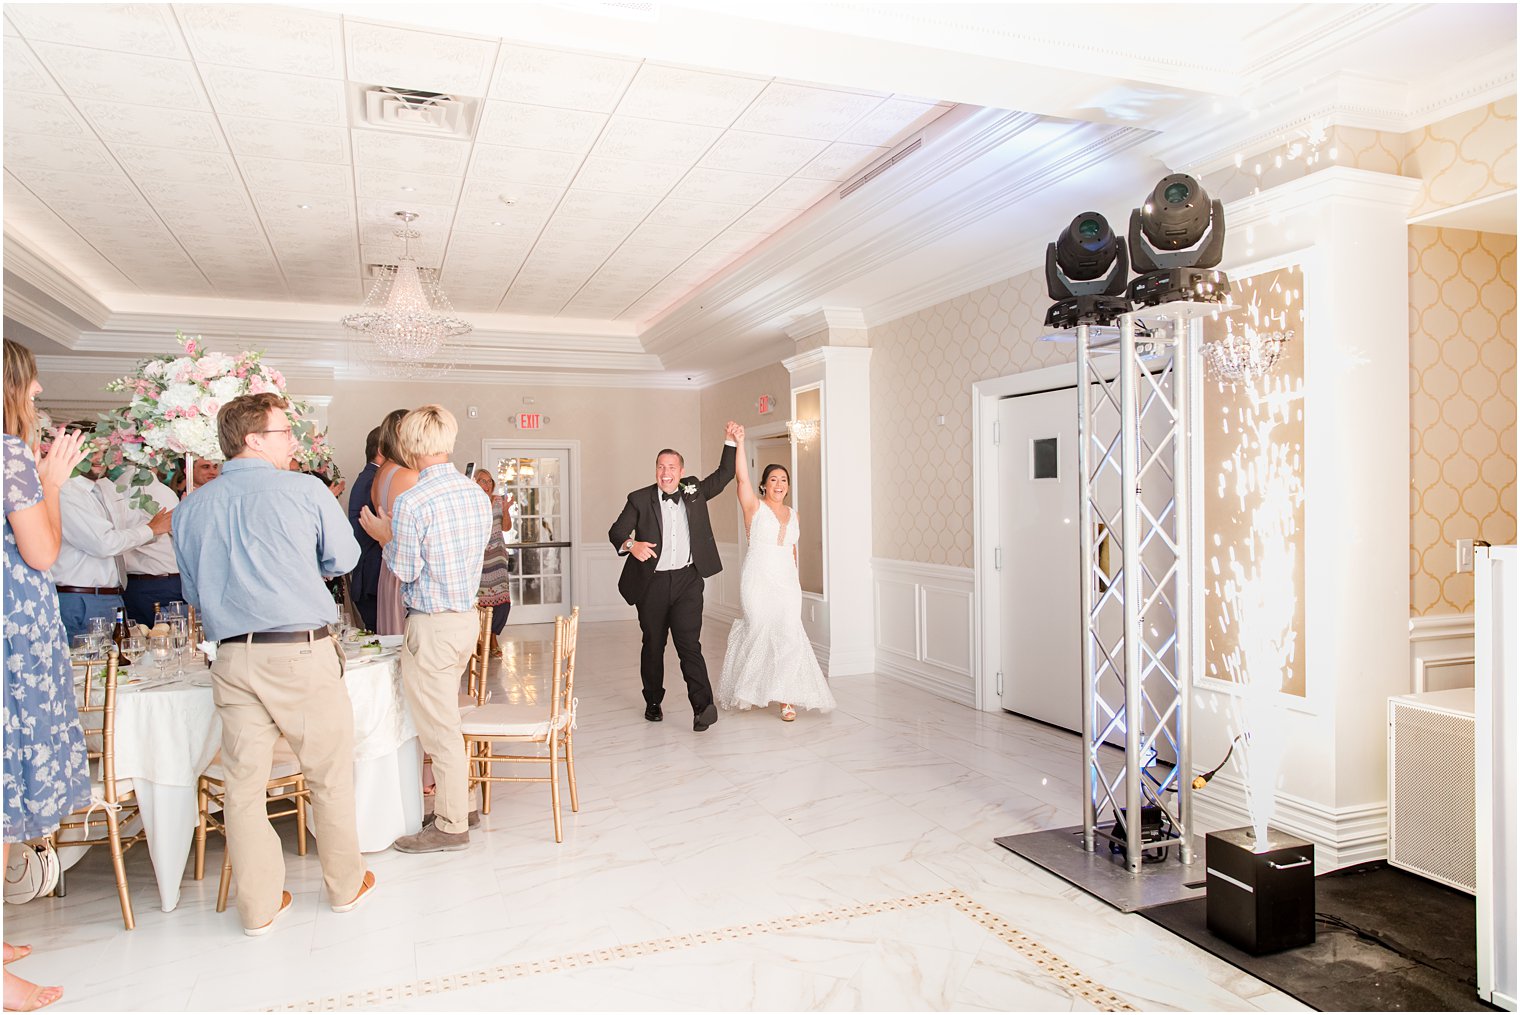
(670, 496)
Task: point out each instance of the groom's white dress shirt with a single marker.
(676, 553)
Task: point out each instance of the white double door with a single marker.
(538, 484)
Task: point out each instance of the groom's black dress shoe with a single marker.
(653, 713)
(707, 718)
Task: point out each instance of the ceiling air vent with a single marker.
(417, 112)
(881, 167)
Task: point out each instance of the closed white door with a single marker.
(535, 481)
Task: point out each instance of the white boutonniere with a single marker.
(688, 488)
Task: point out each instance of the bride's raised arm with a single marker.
(747, 499)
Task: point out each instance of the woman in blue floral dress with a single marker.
(46, 770)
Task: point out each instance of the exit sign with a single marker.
(766, 404)
(529, 420)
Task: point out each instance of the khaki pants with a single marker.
(434, 655)
(296, 688)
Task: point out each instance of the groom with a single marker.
(667, 537)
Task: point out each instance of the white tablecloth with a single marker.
(167, 735)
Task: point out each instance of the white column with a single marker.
(837, 363)
(1347, 227)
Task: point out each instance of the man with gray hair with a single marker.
(435, 543)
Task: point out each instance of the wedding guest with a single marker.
(46, 771)
(254, 548)
(152, 572)
(495, 569)
(394, 478)
(435, 542)
(89, 574)
(363, 580)
(203, 472)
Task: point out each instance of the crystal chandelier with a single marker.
(406, 313)
(804, 431)
(1237, 359)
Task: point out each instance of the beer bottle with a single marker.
(119, 633)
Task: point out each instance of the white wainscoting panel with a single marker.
(720, 598)
(598, 595)
(924, 626)
(1440, 652)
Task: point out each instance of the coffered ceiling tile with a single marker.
(885, 124)
(523, 165)
(476, 300)
(123, 77)
(229, 200)
(761, 153)
(382, 236)
(655, 141)
(178, 216)
(40, 113)
(670, 237)
(593, 232)
(23, 71)
(798, 194)
(51, 186)
(132, 28)
(527, 199)
(663, 92)
(99, 217)
(303, 177)
(840, 161)
(432, 219)
(722, 185)
(264, 37)
(403, 185)
(799, 111)
(320, 211)
(596, 204)
(323, 290)
(542, 127)
(493, 219)
(553, 77)
(517, 304)
(279, 139)
(147, 163)
(179, 128)
(496, 244)
(696, 215)
(734, 241)
(63, 154)
(619, 176)
(200, 245)
(273, 96)
(386, 254)
(407, 58)
(389, 150)
(765, 220)
(345, 270)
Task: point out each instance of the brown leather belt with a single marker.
(257, 637)
(91, 590)
(134, 574)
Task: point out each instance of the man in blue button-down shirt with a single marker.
(254, 548)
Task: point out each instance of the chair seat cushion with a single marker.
(285, 763)
(506, 721)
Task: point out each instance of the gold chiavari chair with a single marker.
(487, 725)
(111, 805)
(286, 791)
(475, 672)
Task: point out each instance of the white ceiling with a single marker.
(673, 168)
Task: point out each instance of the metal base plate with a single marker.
(1103, 874)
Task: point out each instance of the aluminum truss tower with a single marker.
(1139, 396)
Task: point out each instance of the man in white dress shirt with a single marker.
(88, 572)
(152, 570)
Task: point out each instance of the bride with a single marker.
(769, 657)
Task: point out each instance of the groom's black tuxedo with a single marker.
(641, 520)
(670, 601)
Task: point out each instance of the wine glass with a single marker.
(179, 638)
(132, 648)
(82, 648)
(159, 647)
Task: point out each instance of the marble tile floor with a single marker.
(837, 862)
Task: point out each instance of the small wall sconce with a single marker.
(804, 431)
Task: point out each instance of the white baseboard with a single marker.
(1441, 651)
(913, 672)
(1342, 837)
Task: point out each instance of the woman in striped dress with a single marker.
(495, 575)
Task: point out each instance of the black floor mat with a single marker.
(1413, 946)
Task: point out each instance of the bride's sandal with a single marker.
(788, 713)
(14, 952)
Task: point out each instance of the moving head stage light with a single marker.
(1173, 240)
(1085, 269)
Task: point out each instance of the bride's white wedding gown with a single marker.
(769, 658)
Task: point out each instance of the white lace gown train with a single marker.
(769, 657)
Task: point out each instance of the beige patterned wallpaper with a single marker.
(734, 399)
(1461, 406)
(1358, 147)
(923, 366)
(1463, 157)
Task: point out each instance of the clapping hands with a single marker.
(56, 466)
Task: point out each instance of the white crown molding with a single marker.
(40, 317)
(116, 366)
(808, 325)
(662, 381)
(29, 265)
(1338, 183)
(770, 355)
(827, 354)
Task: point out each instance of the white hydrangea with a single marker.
(225, 389)
(155, 369)
(157, 437)
(195, 436)
(214, 364)
(178, 365)
(178, 396)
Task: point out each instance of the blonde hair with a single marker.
(427, 430)
(20, 372)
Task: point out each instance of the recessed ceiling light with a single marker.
(506, 199)
(304, 207)
(498, 223)
(409, 189)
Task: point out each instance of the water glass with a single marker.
(82, 648)
(132, 648)
(159, 647)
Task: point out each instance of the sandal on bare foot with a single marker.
(788, 713)
(285, 901)
(14, 952)
(36, 996)
(365, 887)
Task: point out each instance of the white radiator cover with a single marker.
(1432, 818)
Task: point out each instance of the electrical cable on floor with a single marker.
(1373, 938)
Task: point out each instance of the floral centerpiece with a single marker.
(170, 419)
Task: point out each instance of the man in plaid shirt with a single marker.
(435, 543)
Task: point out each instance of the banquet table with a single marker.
(168, 733)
